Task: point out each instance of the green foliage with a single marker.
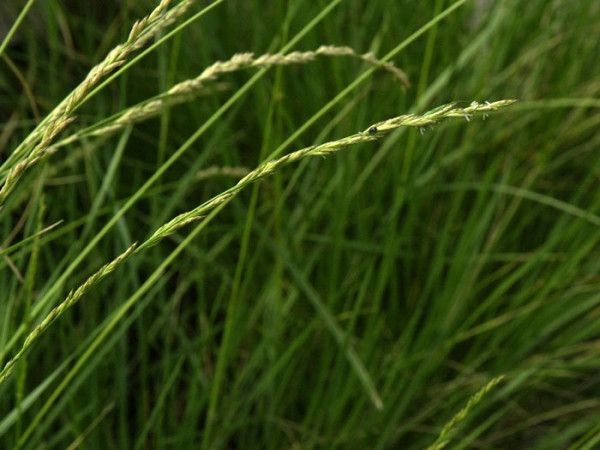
(372, 298)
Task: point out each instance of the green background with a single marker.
(445, 257)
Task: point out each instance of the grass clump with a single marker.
(355, 301)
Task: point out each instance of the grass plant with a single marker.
(436, 287)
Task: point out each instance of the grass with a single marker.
(169, 280)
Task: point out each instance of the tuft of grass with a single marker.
(354, 301)
(373, 132)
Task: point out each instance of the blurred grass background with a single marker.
(447, 257)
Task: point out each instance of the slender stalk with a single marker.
(442, 441)
(16, 25)
(40, 139)
(372, 133)
(188, 89)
